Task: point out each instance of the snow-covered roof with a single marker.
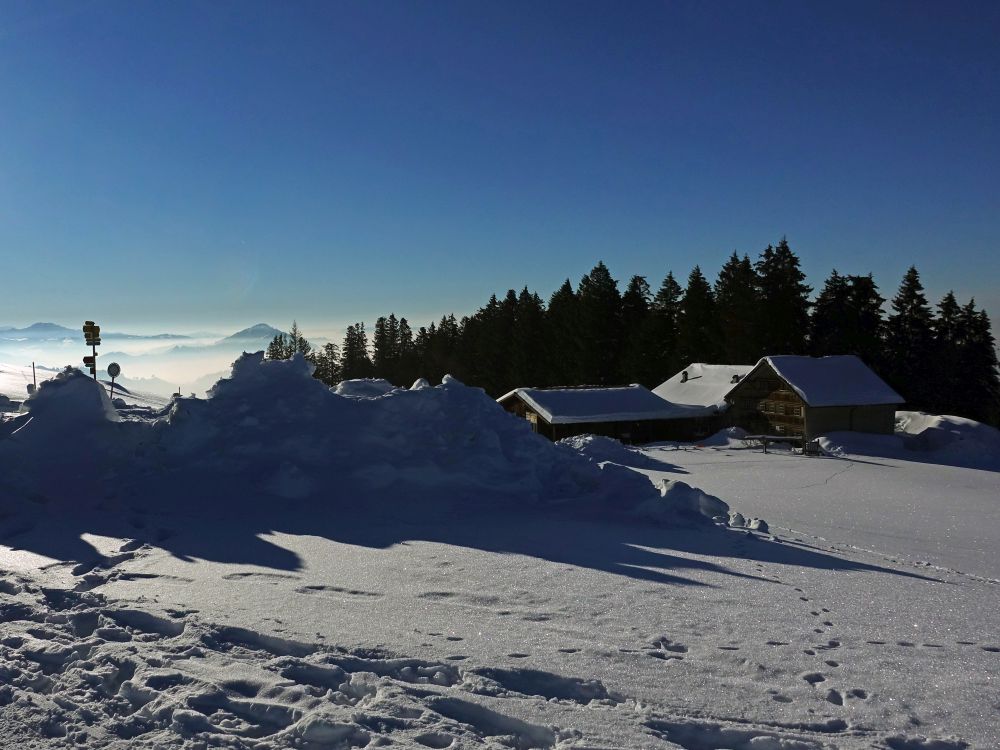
(631, 403)
(704, 389)
(841, 380)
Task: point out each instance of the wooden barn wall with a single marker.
(764, 403)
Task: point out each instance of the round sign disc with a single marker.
(114, 370)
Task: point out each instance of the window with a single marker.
(797, 411)
(779, 409)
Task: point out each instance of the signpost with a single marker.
(114, 371)
(92, 335)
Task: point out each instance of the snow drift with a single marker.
(273, 431)
(942, 439)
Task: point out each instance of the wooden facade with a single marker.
(765, 403)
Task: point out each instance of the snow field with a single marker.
(281, 566)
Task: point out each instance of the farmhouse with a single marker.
(699, 394)
(806, 397)
(632, 414)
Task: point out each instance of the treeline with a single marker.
(942, 360)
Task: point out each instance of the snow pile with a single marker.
(932, 438)
(272, 430)
(364, 387)
(680, 499)
(73, 399)
(605, 449)
(947, 435)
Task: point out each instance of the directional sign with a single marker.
(89, 361)
(114, 370)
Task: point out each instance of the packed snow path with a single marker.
(199, 586)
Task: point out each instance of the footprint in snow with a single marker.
(813, 678)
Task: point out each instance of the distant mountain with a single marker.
(259, 332)
(40, 332)
(56, 332)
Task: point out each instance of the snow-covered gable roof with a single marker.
(841, 380)
(705, 388)
(631, 403)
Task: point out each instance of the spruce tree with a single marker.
(736, 302)
(662, 331)
(355, 361)
(279, 348)
(639, 347)
(829, 313)
(697, 329)
(600, 325)
(527, 351)
(298, 342)
(563, 337)
(783, 310)
(327, 362)
(979, 394)
(909, 345)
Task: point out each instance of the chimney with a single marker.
(684, 376)
(736, 379)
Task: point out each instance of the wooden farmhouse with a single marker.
(698, 395)
(805, 397)
(632, 414)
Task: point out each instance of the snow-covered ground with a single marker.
(281, 566)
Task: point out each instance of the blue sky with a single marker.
(214, 164)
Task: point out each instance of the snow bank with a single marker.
(931, 438)
(271, 430)
(605, 449)
(679, 499)
(73, 399)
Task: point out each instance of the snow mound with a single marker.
(930, 438)
(679, 499)
(364, 387)
(272, 431)
(601, 449)
(72, 398)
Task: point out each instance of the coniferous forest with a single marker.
(941, 359)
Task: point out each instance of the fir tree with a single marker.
(562, 335)
(736, 302)
(783, 309)
(828, 316)
(527, 351)
(279, 348)
(665, 315)
(354, 360)
(298, 342)
(639, 346)
(600, 326)
(327, 361)
(979, 394)
(697, 331)
(909, 345)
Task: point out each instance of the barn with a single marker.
(632, 414)
(699, 394)
(805, 397)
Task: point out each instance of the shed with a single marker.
(632, 414)
(804, 397)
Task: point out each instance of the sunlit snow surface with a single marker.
(283, 567)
